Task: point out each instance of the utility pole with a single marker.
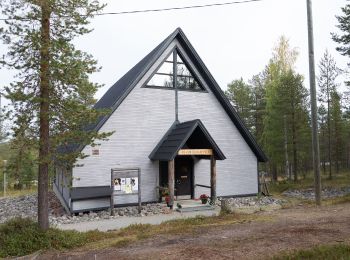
(315, 143)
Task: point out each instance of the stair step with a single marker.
(195, 208)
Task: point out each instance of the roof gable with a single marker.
(117, 93)
(179, 135)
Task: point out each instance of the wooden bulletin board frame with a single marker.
(125, 173)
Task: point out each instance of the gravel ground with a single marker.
(299, 227)
(254, 201)
(26, 206)
(309, 194)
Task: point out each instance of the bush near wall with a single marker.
(20, 237)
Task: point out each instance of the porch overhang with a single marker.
(186, 136)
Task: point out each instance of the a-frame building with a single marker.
(173, 122)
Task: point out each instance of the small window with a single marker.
(185, 80)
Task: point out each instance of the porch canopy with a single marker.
(189, 138)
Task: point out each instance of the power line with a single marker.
(161, 9)
(180, 8)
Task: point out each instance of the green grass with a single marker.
(339, 180)
(20, 237)
(329, 252)
(17, 193)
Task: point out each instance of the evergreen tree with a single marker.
(287, 107)
(322, 121)
(328, 87)
(343, 40)
(259, 103)
(279, 78)
(21, 166)
(337, 129)
(241, 96)
(51, 96)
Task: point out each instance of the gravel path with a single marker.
(297, 228)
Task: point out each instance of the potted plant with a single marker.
(167, 200)
(163, 192)
(204, 198)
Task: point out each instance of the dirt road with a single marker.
(287, 229)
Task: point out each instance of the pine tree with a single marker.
(337, 129)
(51, 96)
(322, 121)
(21, 166)
(343, 40)
(259, 103)
(241, 96)
(327, 87)
(281, 65)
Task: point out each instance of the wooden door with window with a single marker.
(183, 175)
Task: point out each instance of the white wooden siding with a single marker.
(141, 121)
(237, 175)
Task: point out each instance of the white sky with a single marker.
(234, 41)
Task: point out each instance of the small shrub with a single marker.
(328, 252)
(20, 237)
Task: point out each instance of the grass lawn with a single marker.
(329, 252)
(339, 180)
(20, 237)
(17, 193)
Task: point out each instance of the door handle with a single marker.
(184, 177)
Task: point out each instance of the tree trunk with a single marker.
(295, 159)
(324, 148)
(274, 172)
(329, 135)
(286, 147)
(43, 176)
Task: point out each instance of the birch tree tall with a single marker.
(51, 94)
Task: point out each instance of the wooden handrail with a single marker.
(203, 186)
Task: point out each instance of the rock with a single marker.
(309, 194)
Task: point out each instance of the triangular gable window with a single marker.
(163, 78)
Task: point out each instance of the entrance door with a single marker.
(183, 176)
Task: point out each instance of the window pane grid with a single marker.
(163, 78)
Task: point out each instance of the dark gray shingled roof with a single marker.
(182, 134)
(116, 94)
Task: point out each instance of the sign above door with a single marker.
(195, 152)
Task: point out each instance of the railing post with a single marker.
(212, 179)
(112, 194)
(171, 181)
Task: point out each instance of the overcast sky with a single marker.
(234, 41)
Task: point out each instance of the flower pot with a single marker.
(204, 201)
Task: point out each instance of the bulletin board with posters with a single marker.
(125, 182)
